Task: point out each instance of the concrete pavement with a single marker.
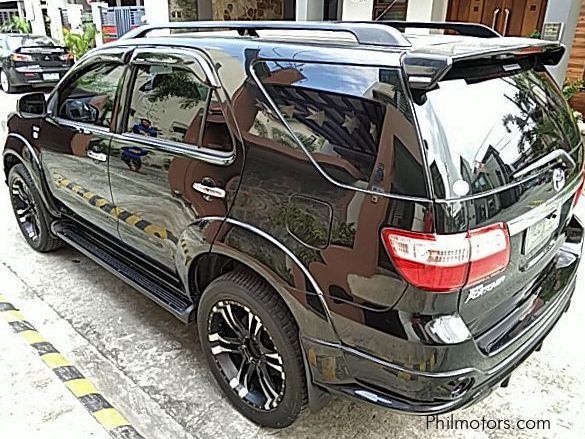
(150, 366)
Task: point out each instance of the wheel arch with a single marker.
(261, 254)
(221, 259)
(19, 151)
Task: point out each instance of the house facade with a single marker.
(552, 19)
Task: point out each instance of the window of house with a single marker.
(390, 10)
(172, 103)
(356, 123)
(90, 97)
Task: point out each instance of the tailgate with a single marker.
(502, 139)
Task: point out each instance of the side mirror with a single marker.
(32, 104)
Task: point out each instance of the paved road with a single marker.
(150, 367)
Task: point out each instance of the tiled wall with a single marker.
(248, 10)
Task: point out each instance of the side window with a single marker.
(90, 97)
(172, 103)
(356, 122)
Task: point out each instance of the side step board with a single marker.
(173, 301)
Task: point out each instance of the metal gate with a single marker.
(7, 14)
(119, 20)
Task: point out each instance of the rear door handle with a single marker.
(83, 130)
(97, 156)
(209, 192)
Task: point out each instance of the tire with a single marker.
(31, 214)
(5, 84)
(241, 294)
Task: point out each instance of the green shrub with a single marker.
(570, 89)
(80, 43)
(17, 25)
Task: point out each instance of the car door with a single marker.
(75, 139)
(174, 156)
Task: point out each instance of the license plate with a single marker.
(540, 232)
(50, 76)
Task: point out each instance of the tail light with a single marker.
(20, 57)
(67, 56)
(444, 263)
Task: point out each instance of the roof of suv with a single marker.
(429, 54)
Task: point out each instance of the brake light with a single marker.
(20, 57)
(68, 56)
(444, 263)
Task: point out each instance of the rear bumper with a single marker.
(444, 378)
(35, 77)
(370, 379)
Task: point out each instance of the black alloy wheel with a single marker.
(31, 214)
(25, 209)
(251, 342)
(245, 352)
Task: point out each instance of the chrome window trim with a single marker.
(331, 180)
(75, 124)
(205, 154)
(208, 71)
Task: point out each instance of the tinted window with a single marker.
(90, 97)
(484, 131)
(356, 122)
(172, 103)
(16, 42)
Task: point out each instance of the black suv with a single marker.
(31, 60)
(341, 207)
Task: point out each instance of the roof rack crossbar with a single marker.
(372, 34)
(466, 29)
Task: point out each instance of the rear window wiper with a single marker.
(558, 154)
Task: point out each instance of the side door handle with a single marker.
(97, 156)
(83, 130)
(208, 191)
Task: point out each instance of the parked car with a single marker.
(387, 216)
(31, 61)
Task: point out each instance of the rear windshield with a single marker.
(484, 132)
(28, 41)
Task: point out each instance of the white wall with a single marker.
(96, 16)
(156, 11)
(357, 9)
(74, 16)
(419, 10)
(566, 11)
(53, 7)
(309, 10)
(34, 13)
(439, 11)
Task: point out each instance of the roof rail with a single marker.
(467, 29)
(366, 33)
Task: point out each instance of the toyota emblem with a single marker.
(558, 179)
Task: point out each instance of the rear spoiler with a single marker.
(37, 49)
(425, 67)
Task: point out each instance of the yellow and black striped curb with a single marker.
(107, 206)
(109, 418)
